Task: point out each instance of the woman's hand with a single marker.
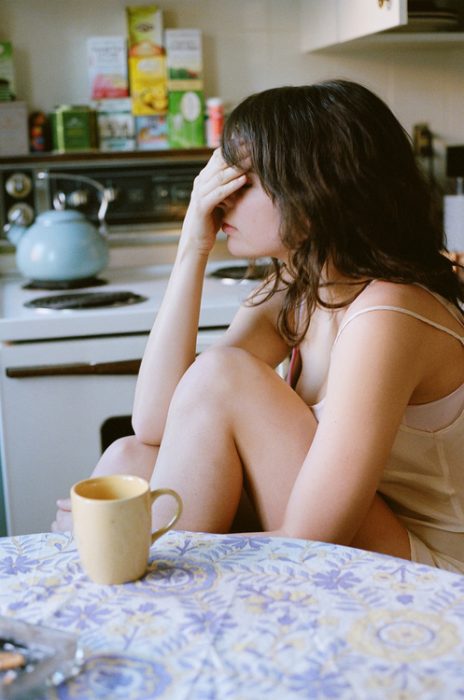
(214, 184)
(63, 519)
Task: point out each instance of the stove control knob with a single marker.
(21, 214)
(78, 198)
(18, 185)
(111, 194)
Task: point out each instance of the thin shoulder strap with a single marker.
(458, 337)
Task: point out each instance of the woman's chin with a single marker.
(236, 249)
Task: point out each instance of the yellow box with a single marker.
(148, 85)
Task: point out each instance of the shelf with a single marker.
(95, 157)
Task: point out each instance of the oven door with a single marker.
(62, 403)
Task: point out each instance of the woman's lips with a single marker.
(227, 228)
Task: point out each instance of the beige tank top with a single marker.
(423, 481)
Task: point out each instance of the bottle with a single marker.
(214, 121)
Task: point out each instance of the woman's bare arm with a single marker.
(171, 346)
(376, 365)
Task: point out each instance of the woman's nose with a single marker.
(228, 202)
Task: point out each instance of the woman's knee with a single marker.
(218, 374)
(128, 455)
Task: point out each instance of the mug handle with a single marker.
(166, 492)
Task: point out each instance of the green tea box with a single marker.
(186, 119)
(7, 79)
(74, 128)
(184, 59)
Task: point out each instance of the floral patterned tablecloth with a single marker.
(226, 616)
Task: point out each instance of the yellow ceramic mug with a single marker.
(112, 525)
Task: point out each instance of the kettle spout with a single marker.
(14, 233)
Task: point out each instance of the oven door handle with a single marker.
(75, 369)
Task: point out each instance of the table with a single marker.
(227, 616)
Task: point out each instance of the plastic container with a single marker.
(35, 658)
(214, 121)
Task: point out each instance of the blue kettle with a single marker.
(61, 245)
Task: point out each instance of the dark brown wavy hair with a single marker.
(342, 172)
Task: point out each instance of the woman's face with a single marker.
(251, 222)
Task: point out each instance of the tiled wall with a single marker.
(249, 45)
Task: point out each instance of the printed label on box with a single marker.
(145, 30)
(184, 55)
(152, 132)
(107, 62)
(148, 85)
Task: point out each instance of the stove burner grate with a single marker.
(52, 285)
(85, 300)
(242, 272)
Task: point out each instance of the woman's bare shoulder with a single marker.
(384, 293)
(411, 297)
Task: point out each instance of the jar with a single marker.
(214, 121)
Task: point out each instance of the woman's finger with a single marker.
(217, 171)
(64, 504)
(63, 522)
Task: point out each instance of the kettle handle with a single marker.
(107, 193)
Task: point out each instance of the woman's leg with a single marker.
(234, 422)
(127, 455)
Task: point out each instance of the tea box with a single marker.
(107, 64)
(7, 79)
(151, 132)
(148, 85)
(186, 119)
(184, 59)
(74, 128)
(147, 60)
(115, 122)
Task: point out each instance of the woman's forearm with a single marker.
(171, 345)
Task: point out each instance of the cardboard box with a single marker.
(148, 85)
(7, 78)
(152, 132)
(74, 128)
(145, 30)
(14, 139)
(184, 59)
(115, 122)
(186, 121)
(107, 64)
(147, 60)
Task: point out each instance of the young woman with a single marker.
(364, 445)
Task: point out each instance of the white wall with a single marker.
(249, 45)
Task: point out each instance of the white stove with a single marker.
(67, 380)
(221, 299)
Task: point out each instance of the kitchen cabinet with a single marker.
(352, 24)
